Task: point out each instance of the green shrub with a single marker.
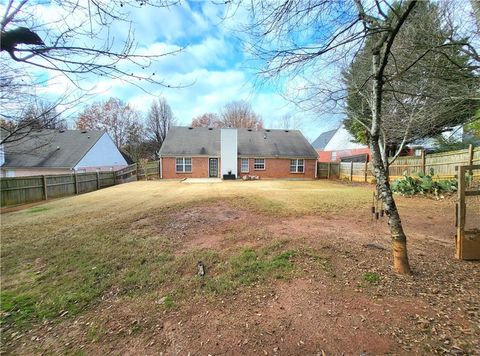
(422, 184)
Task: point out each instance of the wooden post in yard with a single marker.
(45, 188)
(460, 212)
(328, 170)
(422, 157)
(114, 177)
(136, 168)
(98, 180)
(366, 170)
(351, 171)
(75, 181)
(470, 157)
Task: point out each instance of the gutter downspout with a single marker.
(160, 166)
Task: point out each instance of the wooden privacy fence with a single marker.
(443, 165)
(23, 190)
(328, 170)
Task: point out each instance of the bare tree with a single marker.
(241, 115)
(286, 122)
(206, 120)
(136, 144)
(113, 116)
(300, 38)
(43, 115)
(17, 122)
(78, 44)
(159, 120)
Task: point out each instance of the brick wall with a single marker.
(279, 168)
(199, 168)
(274, 168)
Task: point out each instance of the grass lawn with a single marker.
(71, 263)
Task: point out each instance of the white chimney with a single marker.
(228, 151)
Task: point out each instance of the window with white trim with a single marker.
(334, 156)
(183, 165)
(297, 165)
(259, 163)
(244, 165)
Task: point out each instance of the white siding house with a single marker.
(44, 152)
(103, 155)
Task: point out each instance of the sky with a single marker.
(212, 69)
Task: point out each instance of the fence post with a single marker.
(423, 162)
(45, 187)
(98, 180)
(75, 181)
(460, 212)
(366, 171)
(136, 169)
(114, 177)
(328, 170)
(470, 157)
(351, 171)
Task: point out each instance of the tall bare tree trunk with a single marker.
(399, 239)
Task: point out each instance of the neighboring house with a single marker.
(339, 145)
(334, 144)
(212, 152)
(60, 151)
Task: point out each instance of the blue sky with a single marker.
(213, 65)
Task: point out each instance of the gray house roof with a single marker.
(50, 148)
(323, 139)
(202, 141)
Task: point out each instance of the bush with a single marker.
(423, 184)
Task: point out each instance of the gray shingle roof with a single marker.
(323, 139)
(202, 141)
(50, 148)
(183, 141)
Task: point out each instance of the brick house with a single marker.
(213, 152)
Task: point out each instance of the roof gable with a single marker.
(342, 140)
(323, 139)
(50, 148)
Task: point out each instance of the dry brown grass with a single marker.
(63, 255)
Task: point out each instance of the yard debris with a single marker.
(249, 177)
(201, 268)
(161, 300)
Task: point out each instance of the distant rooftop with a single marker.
(50, 148)
(323, 139)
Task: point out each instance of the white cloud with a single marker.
(211, 67)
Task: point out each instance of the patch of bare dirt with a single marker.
(210, 226)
